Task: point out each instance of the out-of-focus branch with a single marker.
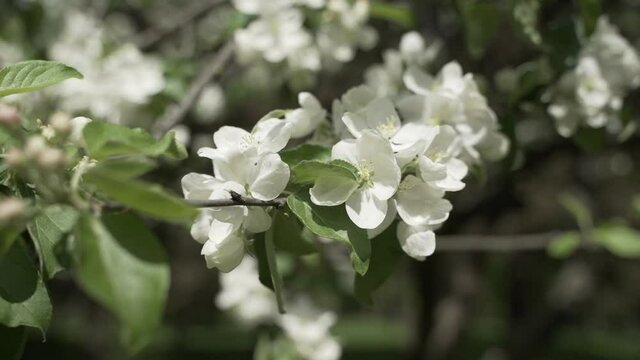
(494, 243)
(153, 35)
(237, 199)
(210, 69)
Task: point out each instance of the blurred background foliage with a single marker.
(577, 300)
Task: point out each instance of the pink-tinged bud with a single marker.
(51, 159)
(9, 116)
(12, 209)
(61, 123)
(15, 157)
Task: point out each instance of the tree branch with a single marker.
(175, 113)
(237, 199)
(494, 243)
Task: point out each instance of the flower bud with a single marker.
(15, 157)
(61, 123)
(9, 116)
(12, 209)
(35, 145)
(51, 158)
(77, 126)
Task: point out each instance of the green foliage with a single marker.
(33, 75)
(589, 10)
(333, 223)
(563, 245)
(24, 300)
(385, 255)
(130, 167)
(47, 231)
(12, 341)
(121, 264)
(274, 114)
(481, 20)
(268, 273)
(306, 152)
(105, 139)
(9, 233)
(396, 13)
(620, 240)
(145, 197)
(288, 235)
(578, 209)
(308, 171)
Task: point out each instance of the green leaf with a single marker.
(105, 139)
(274, 114)
(24, 300)
(9, 233)
(121, 264)
(526, 12)
(260, 251)
(563, 245)
(147, 198)
(287, 235)
(12, 341)
(333, 223)
(399, 14)
(635, 205)
(308, 171)
(481, 20)
(304, 152)
(385, 255)
(130, 167)
(47, 230)
(578, 209)
(33, 75)
(620, 240)
(590, 11)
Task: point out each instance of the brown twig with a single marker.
(175, 113)
(236, 199)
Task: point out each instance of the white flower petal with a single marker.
(256, 220)
(365, 209)
(388, 220)
(345, 150)
(230, 137)
(202, 225)
(268, 178)
(226, 256)
(416, 241)
(375, 150)
(272, 135)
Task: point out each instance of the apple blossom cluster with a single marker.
(245, 163)
(115, 79)
(592, 93)
(406, 152)
(305, 327)
(306, 35)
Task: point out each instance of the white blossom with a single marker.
(309, 329)
(378, 176)
(243, 294)
(306, 119)
(416, 241)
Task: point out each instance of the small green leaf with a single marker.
(399, 14)
(333, 223)
(287, 235)
(121, 264)
(620, 240)
(385, 255)
(147, 198)
(33, 75)
(9, 233)
(274, 114)
(590, 11)
(564, 245)
(130, 167)
(47, 230)
(105, 139)
(578, 209)
(24, 300)
(304, 152)
(306, 172)
(12, 341)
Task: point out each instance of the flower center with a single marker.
(248, 141)
(436, 121)
(407, 184)
(365, 172)
(388, 128)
